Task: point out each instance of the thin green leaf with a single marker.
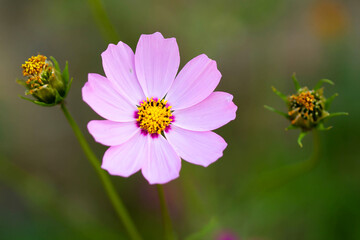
(205, 231)
(321, 127)
(296, 82)
(300, 138)
(329, 101)
(283, 96)
(65, 73)
(320, 83)
(56, 64)
(335, 115)
(68, 87)
(276, 111)
(22, 83)
(28, 99)
(38, 102)
(45, 104)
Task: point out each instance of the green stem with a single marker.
(300, 168)
(168, 230)
(281, 176)
(103, 21)
(109, 187)
(315, 157)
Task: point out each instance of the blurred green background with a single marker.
(48, 190)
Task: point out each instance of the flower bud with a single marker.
(45, 82)
(307, 109)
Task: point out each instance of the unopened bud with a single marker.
(45, 81)
(307, 109)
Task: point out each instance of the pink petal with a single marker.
(111, 133)
(127, 158)
(119, 67)
(201, 148)
(163, 164)
(194, 83)
(100, 95)
(156, 61)
(214, 112)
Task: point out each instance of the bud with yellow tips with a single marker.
(307, 109)
(45, 81)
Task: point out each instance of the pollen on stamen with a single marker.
(306, 108)
(154, 116)
(34, 65)
(305, 99)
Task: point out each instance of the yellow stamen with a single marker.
(154, 116)
(305, 99)
(34, 65)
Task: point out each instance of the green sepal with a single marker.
(67, 89)
(281, 95)
(300, 138)
(320, 83)
(276, 111)
(22, 83)
(65, 74)
(38, 102)
(335, 115)
(204, 231)
(329, 101)
(296, 82)
(321, 127)
(58, 98)
(56, 64)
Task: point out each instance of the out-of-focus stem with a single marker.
(103, 21)
(285, 174)
(107, 184)
(168, 230)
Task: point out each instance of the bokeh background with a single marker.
(48, 190)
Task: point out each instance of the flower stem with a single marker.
(103, 21)
(107, 184)
(168, 230)
(279, 177)
(315, 157)
(300, 168)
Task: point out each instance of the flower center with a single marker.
(34, 65)
(154, 115)
(305, 99)
(306, 106)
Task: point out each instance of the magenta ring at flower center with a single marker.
(154, 116)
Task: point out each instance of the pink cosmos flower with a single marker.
(155, 117)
